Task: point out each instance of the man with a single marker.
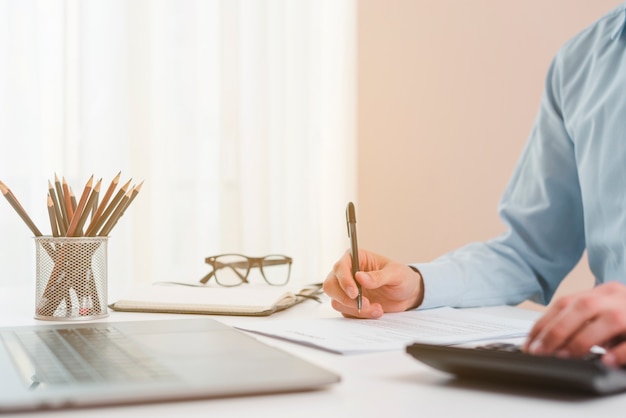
(567, 194)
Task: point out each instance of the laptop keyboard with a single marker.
(87, 355)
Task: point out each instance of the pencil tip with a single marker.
(124, 187)
(3, 188)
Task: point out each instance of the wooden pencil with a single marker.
(19, 209)
(61, 198)
(68, 199)
(94, 205)
(108, 226)
(72, 199)
(53, 219)
(71, 229)
(57, 210)
(93, 228)
(133, 193)
(78, 231)
(102, 205)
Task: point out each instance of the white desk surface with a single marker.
(389, 384)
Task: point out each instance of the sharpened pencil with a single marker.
(61, 199)
(72, 199)
(92, 231)
(102, 205)
(108, 226)
(52, 215)
(57, 210)
(10, 197)
(94, 205)
(87, 209)
(133, 193)
(71, 229)
(68, 199)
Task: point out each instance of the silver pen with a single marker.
(354, 250)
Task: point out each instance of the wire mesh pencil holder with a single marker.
(71, 278)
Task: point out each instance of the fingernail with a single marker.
(609, 359)
(352, 292)
(377, 313)
(562, 354)
(536, 347)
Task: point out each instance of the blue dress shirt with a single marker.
(568, 191)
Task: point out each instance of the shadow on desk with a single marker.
(451, 382)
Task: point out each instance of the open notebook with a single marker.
(250, 300)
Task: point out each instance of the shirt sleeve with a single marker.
(542, 211)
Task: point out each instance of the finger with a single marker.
(333, 289)
(550, 314)
(601, 330)
(371, 280)
(565, 325)
(368, 310)
(616, 356)
(343, 273)
(396, 286)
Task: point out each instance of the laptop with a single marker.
(113, 363)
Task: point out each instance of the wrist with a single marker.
(418, 298)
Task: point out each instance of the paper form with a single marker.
(393, 331)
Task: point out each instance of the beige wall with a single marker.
(448, 90)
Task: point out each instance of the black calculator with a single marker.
(503, 362)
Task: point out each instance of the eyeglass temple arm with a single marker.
(207, 277)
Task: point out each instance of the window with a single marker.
(238, 115)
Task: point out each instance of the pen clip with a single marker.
(350, 217)
(347, 222)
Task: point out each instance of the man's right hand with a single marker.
(386, 285)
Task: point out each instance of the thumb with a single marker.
(371, 279)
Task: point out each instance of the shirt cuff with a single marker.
(442, 284)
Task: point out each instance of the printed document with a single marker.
(446, 326)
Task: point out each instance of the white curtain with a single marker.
(238, 115)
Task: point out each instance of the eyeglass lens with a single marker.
(233, 269)
(276, 269)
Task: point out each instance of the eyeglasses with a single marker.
(233, 269)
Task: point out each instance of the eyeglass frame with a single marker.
(251, 262)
